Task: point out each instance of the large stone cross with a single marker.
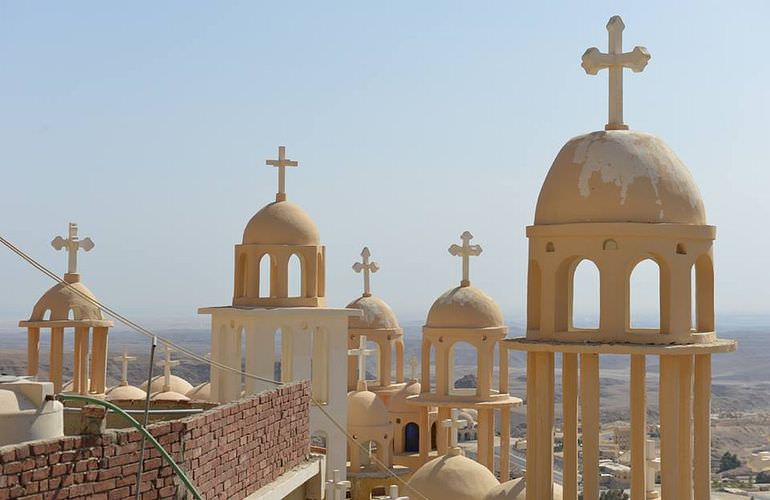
(454, 424)
(72, 244)
(124, 359)
(167, 364)
(366, 267)
(466, 251)
(615, 60)
(282, 162)
(362, 352)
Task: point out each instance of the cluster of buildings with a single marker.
(615, 197)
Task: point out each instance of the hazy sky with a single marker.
(148, 123)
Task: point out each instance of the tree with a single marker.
(763, 477)
(728, 461)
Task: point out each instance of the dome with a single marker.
(201, 392)
(464, 307)
(365, 409)
(126, 393)
(377, 314)
(281, 223)
(169, 396)
(515, 489)
(618, 176)
(452, 476)
(398, 404)
(63, 298)
(178, 384)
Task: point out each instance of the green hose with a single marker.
(179, 472)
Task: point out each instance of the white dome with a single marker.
(178, 384)
(126, 393)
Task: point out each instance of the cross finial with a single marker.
(167, 364)
(393, 493)
(466, 251)
(455, 423)
(72, 244)
(124, 359)
(282, 162)
(362, 352)
(367, 267)
(615, 60)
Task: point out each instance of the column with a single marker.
(638, 405)
(444, 369)
(320, 366)
(99, 360)
(33, 351)
(483, 443)
(569, 385)
(505, 443)
(442, 433)
(425, 367)
(669, 395)
(484, 362)
(232, 380)
(214, 372)
(702, 425)
(55, 364)
(424, 434)
(544, 424)
(302, 350)
(532, 419)
(491, 440)
(685, 428)
(385, 362)
(503, 373)
(399, 345)
(260, 355)
(80, 380)
(589, 392)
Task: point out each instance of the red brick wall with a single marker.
(228, 452)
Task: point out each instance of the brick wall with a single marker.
(228, 452)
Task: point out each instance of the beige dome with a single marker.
(515, 489)
(169, 396)
(398, 404)
(63, 298)
(377, 314)
(618, 176)
(365, 409)
(126, 393)
(281, 223)
(464, 307)
(454, 477)
(178, 384)
(201, 392)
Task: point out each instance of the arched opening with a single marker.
(704, 296)
(644, 296)
(264, 278)
(433, 436)
(411, 438)
(366, 451)
(47, 315)
(463, 366)
(585, 296)
(295, 288)
(71, 315)
(534, 295)
(372, 375)
(378, 492)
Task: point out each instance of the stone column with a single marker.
(503, 373)
(544, 425)
(424, 434)
(232, 386)
(638, 405)
(399, 345)
(425, 367)
(532, 419)
(260, 355)
(320, 368)
(589, 387)
(702, 425)
(569, 384)
(505, 442)
(385, 362)
(33, 351)
(484, 364)
(215, 372)
(444, 365)
(55, 364)
(442, 433)
(99, 360)
(669, 395)
(80, 368)
(482, 451)
(491, 440)
(684, 444)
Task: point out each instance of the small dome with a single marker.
(469, 417)
(453, 477)
(126, 393)
(398, 404)
(169, 396)
(464, 307)
(281, 223)
(61, 299)
(178, 384)
(377, 314)
(515, 489)
(618, 176)
(201, 392)
(365, 409)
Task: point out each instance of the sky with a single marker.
(148, 124)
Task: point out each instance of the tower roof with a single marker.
(464, 307)
(453, 476)
(365, 409)
(62, 298)
(281, 223)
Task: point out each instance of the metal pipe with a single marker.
(140, 469)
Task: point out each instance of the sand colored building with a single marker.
(618, 197)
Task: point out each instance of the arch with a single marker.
(549, 247)
(644, 295)
(465, 355)
(610, 245)
(241, 276)
(296, 282)
(534, 295)
(373, 363)
(72, 314)
(585, 296)
(46, 315)
(433, 436)
(265, 276)
(704, 295)
(411, 438)
(378, 492)
(366, 450)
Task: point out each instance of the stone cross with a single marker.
(362, 352)
(282, 162)
(367, 267)
(394, 493)
(167, 364)
(336, 489)
(466, 251)
(615, 60)
(413, 367)
(652, 466)
(454, 424)
(124, 359)
(72, 244)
